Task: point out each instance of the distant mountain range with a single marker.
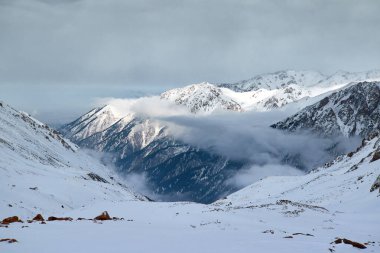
(263, 92)
(144, 146)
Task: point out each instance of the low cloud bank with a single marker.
(244, 136)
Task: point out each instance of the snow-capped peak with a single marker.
(92, 122)
(203, 97)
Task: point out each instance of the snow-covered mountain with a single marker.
(92, 122)
(203, 97)
(281, 79)
(352, 111)
(41, 171)
(263, 92)
(313, 212)
(143, 146)
(276, 80)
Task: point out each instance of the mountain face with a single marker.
(263, 92)
(92, 122)
(353, 111)
(41, 171)
(171, 168)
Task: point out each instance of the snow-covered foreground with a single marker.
(181, 227)
(277, 214)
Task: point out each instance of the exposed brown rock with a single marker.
(11, 220)
(38, 217)
(350, 154)
(52, 218)
(353, 243)
(103, 216)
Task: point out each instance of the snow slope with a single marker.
(42, 172)
(278, 214)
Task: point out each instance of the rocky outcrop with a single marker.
(103, 216)
(11, 220)
(353, 111)
(38, 217)
(353, 243)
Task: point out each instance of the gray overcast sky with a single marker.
(55, 56)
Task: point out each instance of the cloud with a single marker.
(152, 107)
(81, 47)
(244, 137)
(255, 173)
(239, 136)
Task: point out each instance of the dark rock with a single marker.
(9, 240)
(52, 218)
(376, 185)
(376, 156)
(97, 178)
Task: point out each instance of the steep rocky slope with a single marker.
(353, 111)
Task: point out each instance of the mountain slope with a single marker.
(172, 169)
(92, 122)
(277, 214)
(344, 183)
(42, 172)
(349, 112)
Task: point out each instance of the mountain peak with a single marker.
(203, 97)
